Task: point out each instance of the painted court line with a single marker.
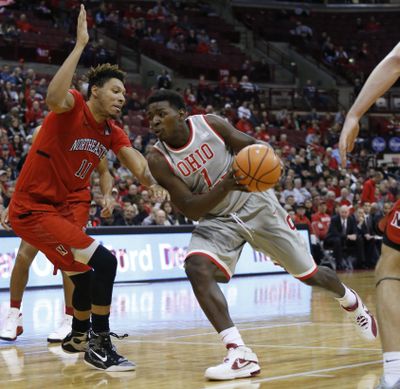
(255, 345)
(243, 329)
(307, 373)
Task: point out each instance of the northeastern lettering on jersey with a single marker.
(91, 145)
(194, 161)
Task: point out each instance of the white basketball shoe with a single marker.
(12, 326)
(62, 331)
(384, 385)
(240, 362)
(363, 319)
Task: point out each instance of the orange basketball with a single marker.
(260, 166)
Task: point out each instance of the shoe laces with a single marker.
(103, 340)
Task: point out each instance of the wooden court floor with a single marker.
(300, 335)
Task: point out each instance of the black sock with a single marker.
(100, 323)
(80, 325)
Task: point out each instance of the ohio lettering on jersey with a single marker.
(91, 145)
(194, 161)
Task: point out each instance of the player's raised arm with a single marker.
(58, 98)
(380, 80)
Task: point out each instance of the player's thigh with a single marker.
(219, 242)
(80, 211)
(55, 235)
(274, 233)
(389, 262)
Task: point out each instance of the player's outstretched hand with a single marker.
(4, 220)
(108, 206)
(82, 35)
(232, 182)
(348, 136)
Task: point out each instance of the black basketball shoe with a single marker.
(102, 355)
(75, 342)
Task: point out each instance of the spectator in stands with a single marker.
(301, 194)
(94, 213)
(132, 196)
(129, 214)
(191, 41)
(371, 240)
(343, 238)
(303, 31)
(164, 80)
(345, 198)
(300, 217)
(369, 187)
(170, 213)
(244, 111)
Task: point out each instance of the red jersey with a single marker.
(68, 148)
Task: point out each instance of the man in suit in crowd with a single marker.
(343, 238)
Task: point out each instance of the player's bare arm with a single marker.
(234, 138)
(193, 206)
(380, 80)
(58, 98)
(137, 164)
(106, 185)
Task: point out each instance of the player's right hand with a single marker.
(232, 182)
(348, 137)
(108, 206)
(4, 220)
(82, 35)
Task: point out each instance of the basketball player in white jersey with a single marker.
(192, 160)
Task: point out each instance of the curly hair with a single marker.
(100, 74)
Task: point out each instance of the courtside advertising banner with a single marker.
(141, 257)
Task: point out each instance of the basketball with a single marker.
(260, 166)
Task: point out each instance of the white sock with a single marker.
(349, 299)
(231, 336)
(391, 367)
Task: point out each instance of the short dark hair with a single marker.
(174, 98)
(100, 74)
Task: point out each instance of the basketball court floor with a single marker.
(302, 338)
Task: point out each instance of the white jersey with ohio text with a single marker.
(203, 162)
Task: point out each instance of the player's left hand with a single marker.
(4, 220)
(348, 137)
(82, 35)
(108, 206)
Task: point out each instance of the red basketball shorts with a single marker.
(53, 232)
(390, 224)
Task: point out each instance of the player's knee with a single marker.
(104, 262)
(323, 276)
(26, 254)
(197, 268)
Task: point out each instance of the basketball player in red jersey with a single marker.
(79, 202)
(75, 136)
(387, 272)
(192, 160)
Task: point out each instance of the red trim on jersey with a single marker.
(188, 142)
(307, 276)
(212, 129)
(212, 260)
(166, 159)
